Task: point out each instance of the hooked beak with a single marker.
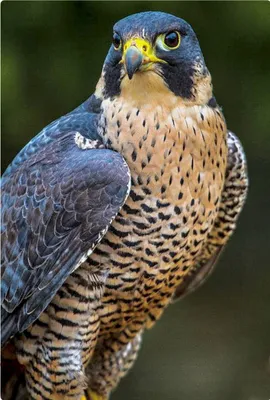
(133, 60)
(139, 55)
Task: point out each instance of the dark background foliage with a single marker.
(215, 343)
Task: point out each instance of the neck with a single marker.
(149, 88)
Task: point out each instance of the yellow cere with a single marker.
(145, 48)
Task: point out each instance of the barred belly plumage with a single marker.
(149, 260)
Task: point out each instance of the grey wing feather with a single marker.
(232, 201)
(57, 203)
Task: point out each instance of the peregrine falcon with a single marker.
(115, 210)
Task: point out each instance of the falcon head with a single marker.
(157, 49)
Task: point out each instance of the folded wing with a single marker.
(58, 199)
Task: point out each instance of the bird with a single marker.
(114, 211)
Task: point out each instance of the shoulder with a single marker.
(81, 122)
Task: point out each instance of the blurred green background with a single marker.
(215, 343)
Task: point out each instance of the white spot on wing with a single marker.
(85, 143)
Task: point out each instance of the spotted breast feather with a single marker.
(234, 194)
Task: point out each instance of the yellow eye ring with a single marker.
(169, 41)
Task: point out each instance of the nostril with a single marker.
(144, 48)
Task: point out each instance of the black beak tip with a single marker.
(130, 74)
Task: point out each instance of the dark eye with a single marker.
(116, 41)
(172, 39)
